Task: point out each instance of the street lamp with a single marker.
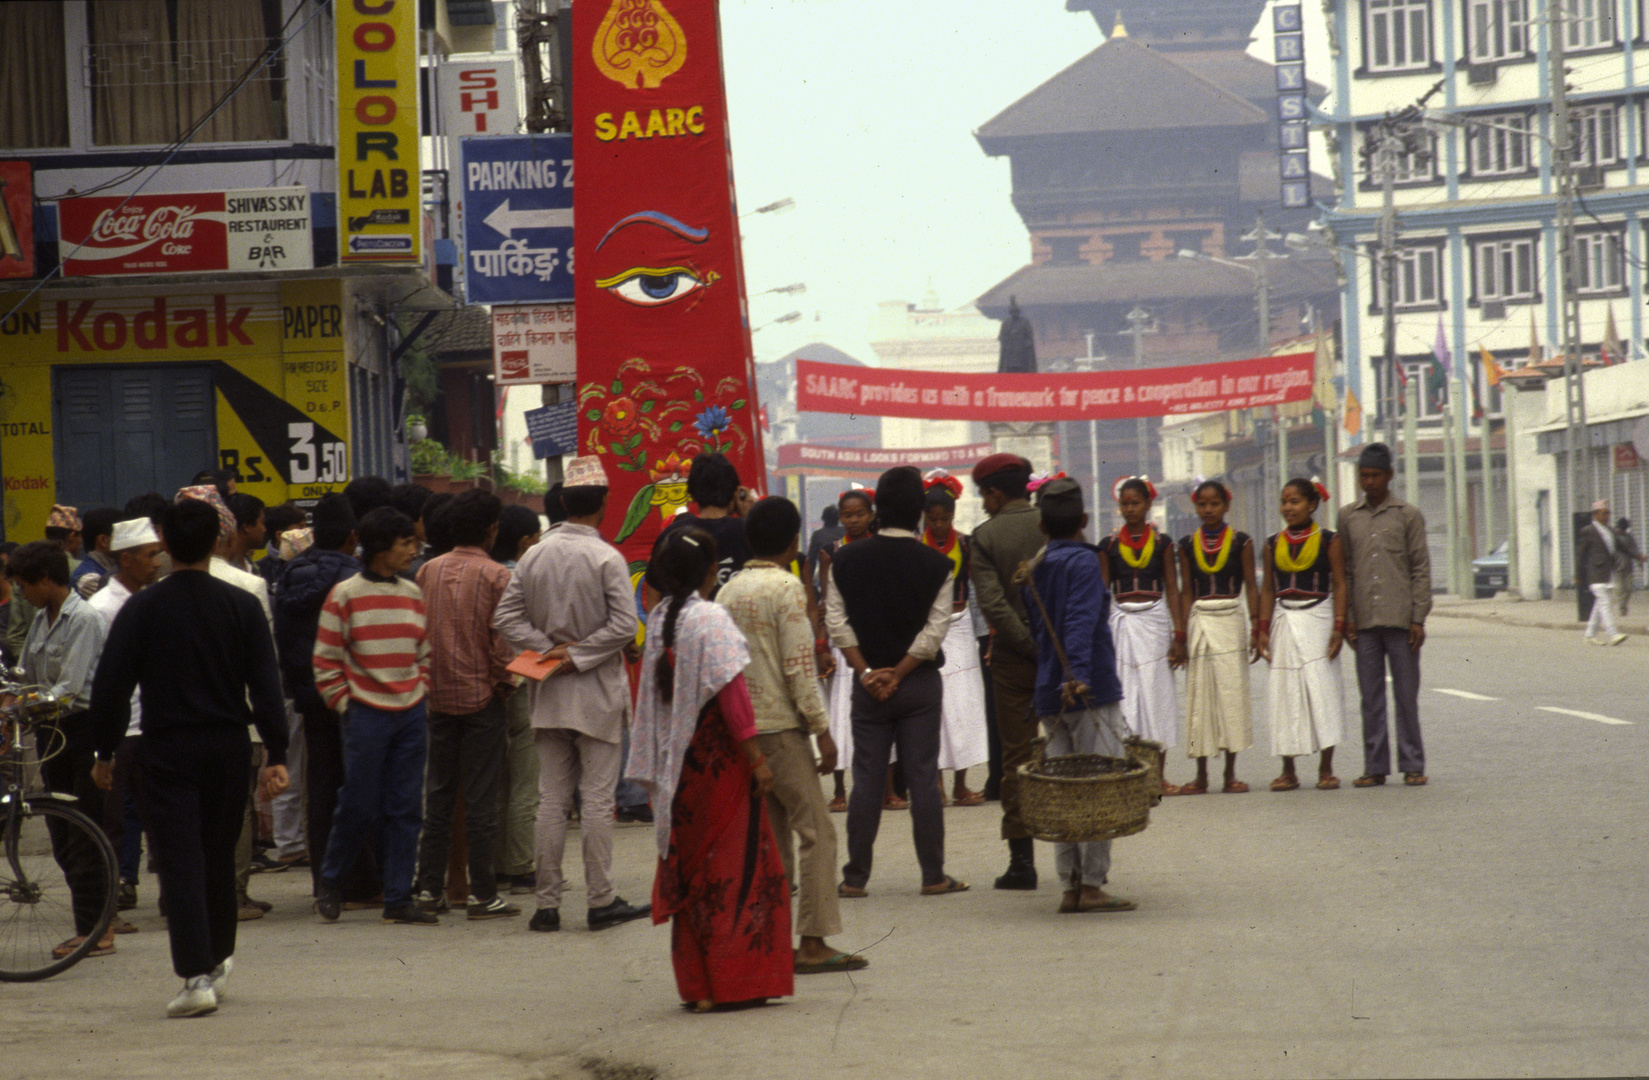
(787, 317)
(773, 207)
(789, 290)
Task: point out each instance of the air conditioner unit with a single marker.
(1493, 310)
(1589, 177)
(1482, 74)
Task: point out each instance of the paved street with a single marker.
(1490, 924)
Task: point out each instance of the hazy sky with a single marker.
(864, 114)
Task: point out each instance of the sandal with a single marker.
(1328, 783)
(1106, 903)
(969, 798)
(1369, 780)
(1195, 787)
(838, 805)
(67, 947)
(121, 926)
(1068, 902)
(840, 962)
(1286, 782)
(1237, 787)
(894, 802)
(949, 885)
(851, 892)
(1414, 779)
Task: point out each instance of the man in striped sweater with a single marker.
(372, 657)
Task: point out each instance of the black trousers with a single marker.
(910, 719)
(194, 796)
(323, 776)
(69, 772)
(465, 753)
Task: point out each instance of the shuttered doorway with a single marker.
(124, 430)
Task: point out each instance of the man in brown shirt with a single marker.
(1388, 583)
(468, 731)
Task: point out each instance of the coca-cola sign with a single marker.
(200, 232)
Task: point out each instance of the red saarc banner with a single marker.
(808, 459)
(1085, 395)
(664, 364)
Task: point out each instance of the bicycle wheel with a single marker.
(55, 864)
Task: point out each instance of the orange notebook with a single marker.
(532, 666)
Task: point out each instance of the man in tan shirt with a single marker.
(1388, 584)
(769, 603)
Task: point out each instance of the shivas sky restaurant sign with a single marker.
(380, 216)
(664, 364)
(1087, 395)
(201, 232)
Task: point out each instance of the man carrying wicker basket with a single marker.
(1078, 695)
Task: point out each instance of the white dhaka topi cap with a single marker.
(584, 472)
(133, 533)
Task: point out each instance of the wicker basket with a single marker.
(1152, 754)
(1081, 797)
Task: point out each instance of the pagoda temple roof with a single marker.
(1115, 282)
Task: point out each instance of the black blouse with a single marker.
(1317, 580)
(1223, 585)
(1126, 580)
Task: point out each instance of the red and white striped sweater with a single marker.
(372, 644)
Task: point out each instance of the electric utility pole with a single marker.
(1139, 324)
(1563, 172)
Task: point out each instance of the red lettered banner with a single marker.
(664, 364)
(1089, 395)
(806, 459)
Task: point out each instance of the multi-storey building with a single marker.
(208, 320)
(1477, 265)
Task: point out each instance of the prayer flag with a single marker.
(1491, 369)
(1353, 421)
(1440, 349)
(1613, 351)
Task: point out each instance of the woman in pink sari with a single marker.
(694, 746)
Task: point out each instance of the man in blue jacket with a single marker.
(304, 584)
(1079, 705)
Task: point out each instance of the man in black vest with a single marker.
(888, 614)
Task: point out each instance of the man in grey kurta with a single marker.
(571, 598)
(1388, 583)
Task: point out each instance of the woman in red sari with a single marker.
(720, 879)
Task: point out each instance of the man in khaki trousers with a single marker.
(769, 603)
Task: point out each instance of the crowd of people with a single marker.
(260, 689)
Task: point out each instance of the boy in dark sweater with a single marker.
(1079, 705)
(200, 650)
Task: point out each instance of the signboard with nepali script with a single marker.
(16, 219)
(191, 233)
(380, 211)
(807, 459)
(533, 344)
(1085, 395)
(664, 364)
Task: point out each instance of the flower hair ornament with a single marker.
(1150, 488)
(941, 478)
(1038, 482)
(1322, 492)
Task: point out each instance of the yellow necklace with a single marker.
(1287, 563)
(1199, 553)
(1147, 548)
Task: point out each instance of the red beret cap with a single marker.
(999, 463)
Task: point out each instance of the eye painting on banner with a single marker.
(664, 364)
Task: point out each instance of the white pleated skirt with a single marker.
(1143, 632)
(1217, 713)
(839, 701)
(1304, 693)
(962, 740)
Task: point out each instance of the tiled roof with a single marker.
(462, 330)
(1139, 282)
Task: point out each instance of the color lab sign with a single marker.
(202, 232)
(379, 212)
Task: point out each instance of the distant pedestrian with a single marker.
(1147, 620)
(856, 510)
(1011, 537)
(1388, 584)
(713, 484)
(963, 739)
(720, 879)
(1597, 550)
(199, 652)
(829, 531)
(1223, 603)
(372, 659)
(889, 611)
(571, 600)
(97, 531)
(1302, 627)
(1626, 553)
(1078, 696)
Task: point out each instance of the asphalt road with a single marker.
(1490, 924)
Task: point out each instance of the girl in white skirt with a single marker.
(1302, 626)
(856, 511)
(962, 739)
(1217, 566)
(1147, 625)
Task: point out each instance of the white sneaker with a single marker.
(1590, 640)
(220, 975)
(1617, 639)
(197, 998)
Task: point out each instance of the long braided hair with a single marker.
(679, 567)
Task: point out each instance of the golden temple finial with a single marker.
(1119, 31)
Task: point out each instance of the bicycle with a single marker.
(51, 852)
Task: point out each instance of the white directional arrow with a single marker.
(506, 221)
